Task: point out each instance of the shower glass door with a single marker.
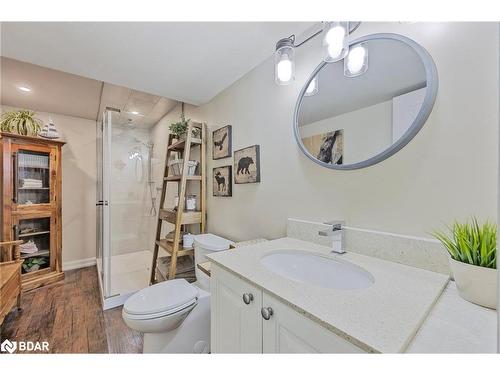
(125, 207)
(104, 131)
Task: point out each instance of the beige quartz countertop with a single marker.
(381, 318)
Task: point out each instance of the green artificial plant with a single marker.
(471, 242)
(180, 128)
(21, 122)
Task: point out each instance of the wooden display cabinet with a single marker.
(31, 204)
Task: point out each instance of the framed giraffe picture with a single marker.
(222, 181)
(222, 143)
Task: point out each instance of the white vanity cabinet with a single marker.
(260, 323)
(236, 325)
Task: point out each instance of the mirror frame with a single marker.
(418, 123)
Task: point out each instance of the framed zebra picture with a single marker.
(222, 181)
(222, 143)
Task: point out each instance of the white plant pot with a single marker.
(476, 284)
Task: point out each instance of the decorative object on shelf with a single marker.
(472, 248)
(335, 48)
(176, 166)
(28, 247)
(247, 165)
(191, 203)
(34, 264)
(179, 128)
(187, 241)
(22, 122)
(222, 181)
(222, 143)
(49, 130)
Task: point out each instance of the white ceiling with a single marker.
(185, 61)
(393, 69)
(54, 91)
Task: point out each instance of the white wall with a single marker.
(78, 185)
(448, 171)
(367, 131)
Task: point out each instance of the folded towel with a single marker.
(28, 247)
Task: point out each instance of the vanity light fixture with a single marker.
(284, 61)
(334, 44)
(356, 61)
(312, 88)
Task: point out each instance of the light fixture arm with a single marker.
(307, 39)
(292, 37)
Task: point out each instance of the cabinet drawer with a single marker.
(236, 325)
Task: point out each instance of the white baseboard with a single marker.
(80, 263)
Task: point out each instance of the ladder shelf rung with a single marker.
(187, 217)
(178, 178)
(169, 248)
(179, 145)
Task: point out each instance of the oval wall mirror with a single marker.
(356, 112)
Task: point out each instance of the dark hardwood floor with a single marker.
(69, 316)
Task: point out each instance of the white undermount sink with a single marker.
(317, 270)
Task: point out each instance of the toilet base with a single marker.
(192, 336)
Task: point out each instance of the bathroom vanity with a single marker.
(247, 319)
(257, 308)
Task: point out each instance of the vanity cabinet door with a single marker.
(287, 331)
(236, 322)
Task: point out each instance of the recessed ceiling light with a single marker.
(134, 112)
(24, 88)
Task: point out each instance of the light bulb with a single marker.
(335, 41)
(356, 62)
(285, 69)
(284, 64)
(312, 88)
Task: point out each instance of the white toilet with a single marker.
(175, 315)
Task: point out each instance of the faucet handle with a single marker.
(337, 224)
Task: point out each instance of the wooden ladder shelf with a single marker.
(179, 216)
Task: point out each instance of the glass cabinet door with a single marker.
(31, 177)
(37, 246)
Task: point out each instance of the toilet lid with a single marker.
(161, 297)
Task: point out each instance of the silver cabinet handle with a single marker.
(266, 312)
(247, 298)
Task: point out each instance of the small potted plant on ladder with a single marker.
(472, 248)
(179, 129)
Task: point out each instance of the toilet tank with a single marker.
(205, 244)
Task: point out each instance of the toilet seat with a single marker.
(162, 299)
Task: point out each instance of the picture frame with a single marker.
(222, 139)
(222, 181)
(247, 165)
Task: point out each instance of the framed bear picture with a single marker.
(222, 181)
(247, 165)
(221, 143)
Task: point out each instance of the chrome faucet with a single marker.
(337, 232)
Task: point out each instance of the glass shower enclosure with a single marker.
(126, 208)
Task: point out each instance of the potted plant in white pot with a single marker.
(472, 248)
